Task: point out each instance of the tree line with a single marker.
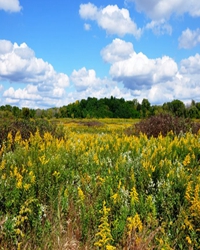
(105, 108)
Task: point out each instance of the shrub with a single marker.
(163, 124)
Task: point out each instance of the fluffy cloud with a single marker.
(160, 9)
(137, 71)
(159, 79)
(87, 84)
(32, 97)
(189, 38)
(86, 80)
(141, 72)
(190, 65)
(29, 93)
(10, 5)
(19, 64)
(111, 18)
(118, 50)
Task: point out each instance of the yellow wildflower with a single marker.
(2, 166)
(115, 197)
(81, 194)
(19, 178)
(134, 224)
(18, 137)
(134, 196)
(56, 174)
(104, 234)
(43, 160)
(187, 160)
(95, 158)
(109, 247)
(188, 240)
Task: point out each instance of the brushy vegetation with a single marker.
(163, 124)
(27, 127)
(98, 188)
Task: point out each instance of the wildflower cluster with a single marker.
(100, 188)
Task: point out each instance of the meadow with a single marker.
(100, 188)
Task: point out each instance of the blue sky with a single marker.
(55, 52)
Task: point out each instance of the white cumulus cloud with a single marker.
(19, 64)
(158, 79)
(138, 71)
(86, 80)
(31, 96)
(24, 94)
(190, 66)
(159, 9)
(10, 5)
(111, 18)
(118, 50)
(189, 38)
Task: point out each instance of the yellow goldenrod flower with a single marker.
(187, 160)
(43, 160)
(81, 194)
(188, 191)
(56, 174)
(115, 197)
(134, 196)
(134, 223)
(188, 240)
(18, 138)
(109, 247)
(19, 179)
(2, 166)
(104, 234)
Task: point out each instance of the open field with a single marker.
(98, 188)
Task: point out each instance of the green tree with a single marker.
(145, 108)
(16, 111)
(178, 108)
(25, 113)
(192, 112)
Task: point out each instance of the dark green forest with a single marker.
(105, 108)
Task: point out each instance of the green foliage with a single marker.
(176, 107)
(105, 108)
